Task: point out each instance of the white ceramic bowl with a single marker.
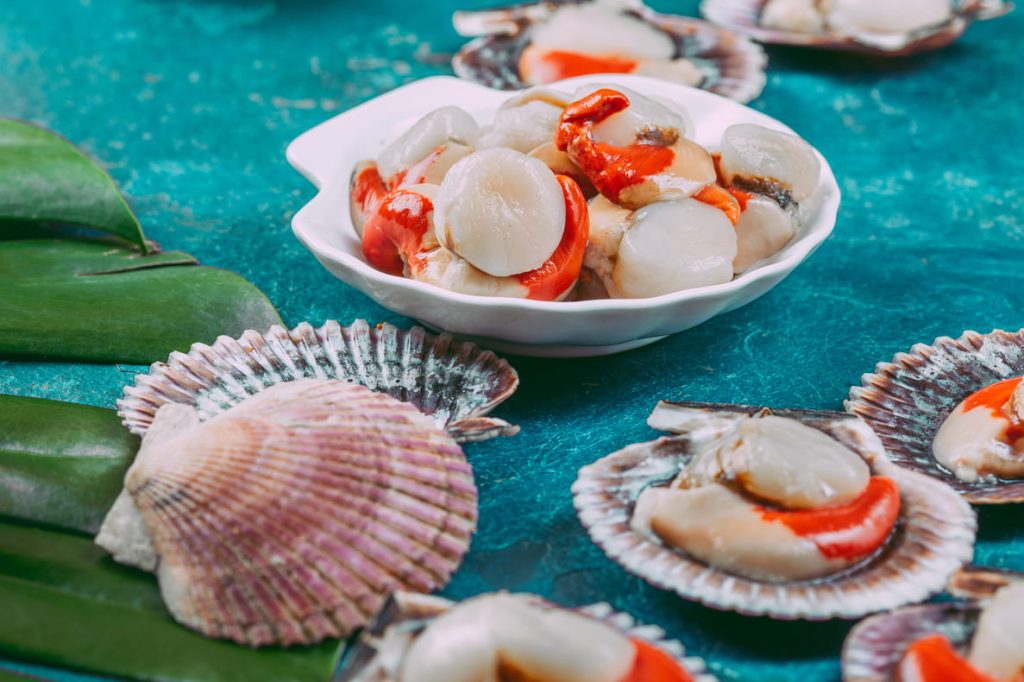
(327, 153)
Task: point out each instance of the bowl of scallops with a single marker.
(586, 217)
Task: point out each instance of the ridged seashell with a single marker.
(875, 647)
(457, 384)
(290, 517)
(744, 16)
(382, 645)
(732, 65)
(933, 538)
(906, 401)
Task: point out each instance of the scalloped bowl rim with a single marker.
(301, 152)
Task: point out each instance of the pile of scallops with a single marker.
(601, 193)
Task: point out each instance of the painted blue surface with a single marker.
(191, 104)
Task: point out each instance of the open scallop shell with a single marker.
(733, 66)
(457, 384)
(745, 16)
(905, 401)
(380, 648)
(934, 536)
(291, 516)
(875, 647)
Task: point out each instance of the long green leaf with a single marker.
(43, 178)
(92, 301)
(65, 604)
(61, 464)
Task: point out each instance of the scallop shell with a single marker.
(734, 67)
(291, 516)
(744, 16)
(934, 537)
(457, 384)
(875, 647)
(905, 401)
(380, 648)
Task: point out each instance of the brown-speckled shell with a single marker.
(382, 644)
(457, 384)
(906, 401)
(934, 536)
(745, 16)
(733, 66)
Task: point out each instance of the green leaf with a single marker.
(43, 179)
(61, 464)
(90, 300)
(66, 604)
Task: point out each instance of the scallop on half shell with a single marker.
(730, 65)
(875, 647)
(455, 383)
(744, 16)
(289, 517)
(381, 648)
(907, 400)
(934, 533)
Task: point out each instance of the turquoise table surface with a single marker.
(191, 104)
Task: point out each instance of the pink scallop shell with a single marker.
(456, 383)
(734, 67)
(384, 640)
(934, 537)
(905, 401)
(745, 16)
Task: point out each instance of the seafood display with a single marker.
(502, 636)
(794, 514)
(984, 435)
(503, 210)
(289, 517)
(854, 15)
(540, 43)
(979, 640)
(870, 26)
(953, 410)
(818, 509)
(457, 384)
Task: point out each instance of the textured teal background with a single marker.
(190, 105)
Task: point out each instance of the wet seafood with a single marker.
(951, 410)
(984, 435)
(773, 500)
(795, 514)
(512, 636)
(855, 15)
(870, 26)
(973, 641)
(667, 215)
(289, 517)
(544, 42)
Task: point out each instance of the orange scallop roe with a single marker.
(654, 665)
(994, 398)
(933, 659)
(850, 531)
(554, 65)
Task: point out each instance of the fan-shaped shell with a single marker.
(906, 401)
(457, 384)
(382, 645)
(744, 16)
(934, 536)
(875, 647)
(291, 516)
(732, 65)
